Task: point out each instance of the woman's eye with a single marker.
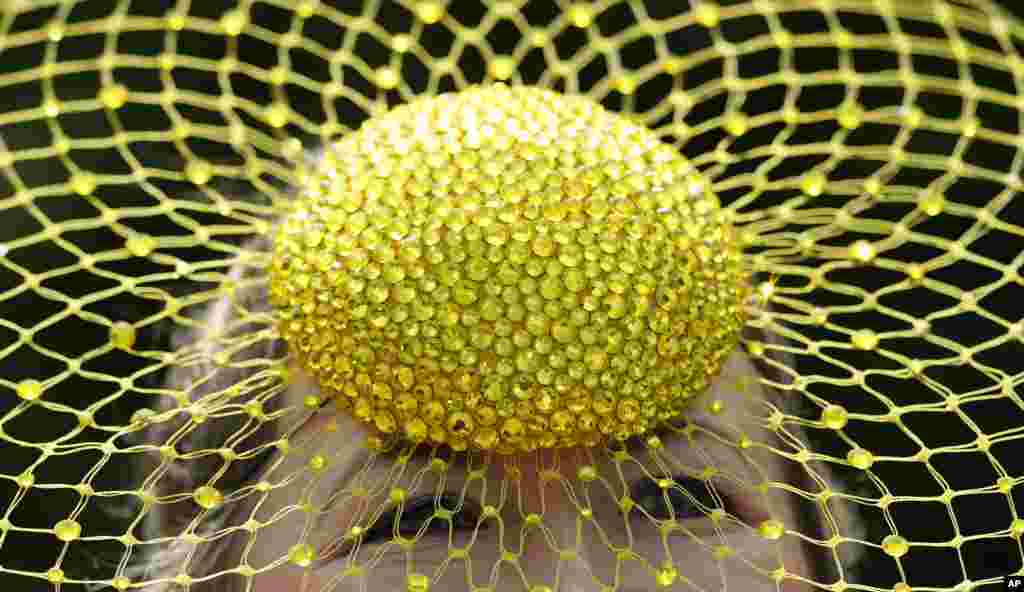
(665, 503)
(424, 510)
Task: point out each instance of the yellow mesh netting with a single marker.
(165, 167)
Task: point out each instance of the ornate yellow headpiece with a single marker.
(526, 294)
(508, 268)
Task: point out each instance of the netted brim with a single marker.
(865, 436)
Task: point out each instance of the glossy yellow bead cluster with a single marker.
(508, 268)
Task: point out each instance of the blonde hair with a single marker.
(196, 458)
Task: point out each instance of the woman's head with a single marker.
(710, 502)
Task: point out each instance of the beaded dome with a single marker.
(508, 268)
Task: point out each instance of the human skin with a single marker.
(338, 438)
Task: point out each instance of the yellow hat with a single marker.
(515, 295)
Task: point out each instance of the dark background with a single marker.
(36, 553)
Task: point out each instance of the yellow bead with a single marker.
(512, 429)
(901, 587)
(625, 85)
(667, 576)
(895, 545)
(176, 21)
(121, 583)
(834, 417)
(486, 438)
(913, 117)
(544, 247)
(142, 416)
(416, 429)
(278, 76)
(813, 184)
(198, 171)
(771, 529)
(25, 480)
(83, 183)
(736, 124)
(387, 78)
(291, 148)
(707, 13)
(55, 575)
(233, 22)
(932, 203)
(587, 473)
(862, 251)
(317, 463)
(865, 339)
(301, 555)
(860, 458)
(114, 97)
(417, 583)
(140, 246)
(849, 116)
(502, 67)
(55, 32)
(122, 335)
(1017, 527)
(579, 14)
(277, 115)
(429, 11)
(401, 43)
(29, 389)
(207, 497)
(67, 530)
(385, 422)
